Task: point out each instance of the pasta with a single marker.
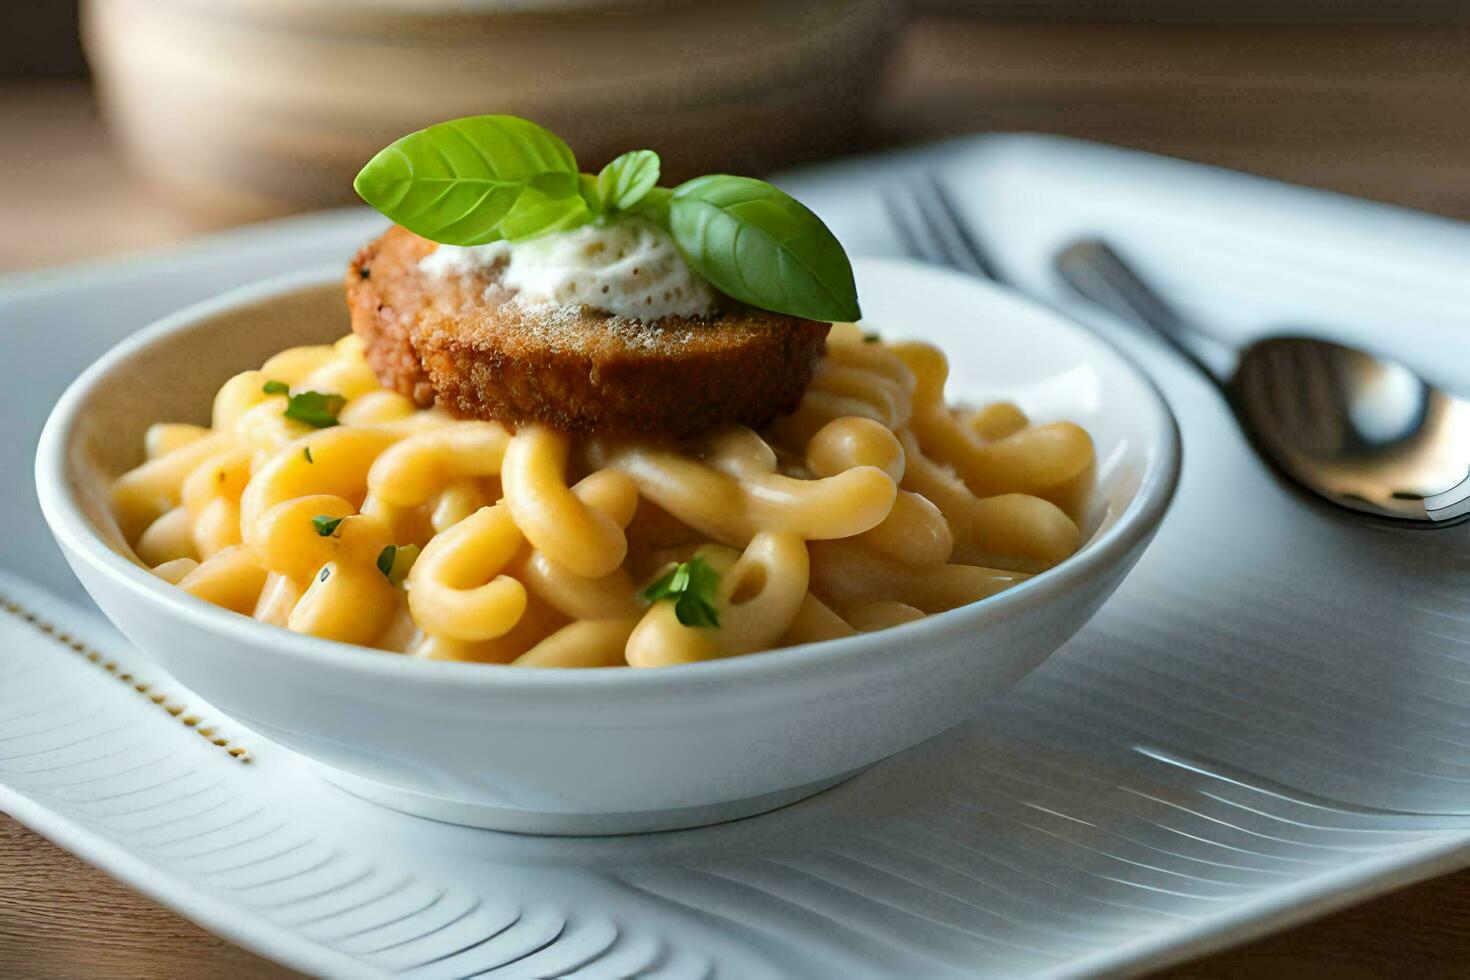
(381, 524)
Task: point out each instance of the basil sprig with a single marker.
(485, 178)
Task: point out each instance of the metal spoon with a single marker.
(1361, 431)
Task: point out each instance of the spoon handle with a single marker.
(1099, 274)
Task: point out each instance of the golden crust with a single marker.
(462, 343)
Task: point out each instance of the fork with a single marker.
(928, 223)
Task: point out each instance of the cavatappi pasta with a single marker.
(874, 504)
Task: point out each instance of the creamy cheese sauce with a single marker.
(629, 268)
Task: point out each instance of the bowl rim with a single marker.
(76, 533)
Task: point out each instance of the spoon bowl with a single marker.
(1361, 431)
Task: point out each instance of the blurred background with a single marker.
(129, 123)
(126, 124)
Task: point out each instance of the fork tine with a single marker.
(910, 233)
(934, 228)
(979, 258)
(929, 225)
(937, 228)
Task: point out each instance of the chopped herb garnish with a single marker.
(872, 338)
(692, 586)
(276, 388)
(395, 562)
(325, 572)
(306, 451)
(317, 409)
(326, 526)
(403, 563)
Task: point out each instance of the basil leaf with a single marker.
(455, 181)
(538, 211)
(276, 388)
(587, 187)
(326, 526)
(624, 181)
(315, 408)
(655, 206)
(763, 247)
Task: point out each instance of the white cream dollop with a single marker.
(629, 268)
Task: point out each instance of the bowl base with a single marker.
(570, 824)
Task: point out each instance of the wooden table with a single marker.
(1374, 111)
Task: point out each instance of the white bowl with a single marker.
(610, 750)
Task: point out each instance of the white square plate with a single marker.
(1266, 722)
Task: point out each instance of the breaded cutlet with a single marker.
(463, 343)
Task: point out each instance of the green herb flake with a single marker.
(403, 563)
(326, 526)
(326, 570)
(276, 388)
(306, 451)
(395, 561)
(317, 409)
(692, 586)
(872, 338)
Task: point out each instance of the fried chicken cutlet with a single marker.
(464, 343)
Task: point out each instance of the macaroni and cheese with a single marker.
(318, 501)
